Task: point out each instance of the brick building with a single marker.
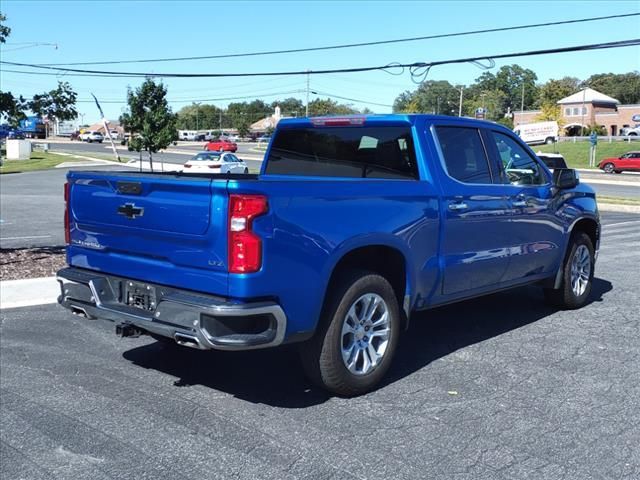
(585, 108)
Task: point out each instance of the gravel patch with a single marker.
(18, 263)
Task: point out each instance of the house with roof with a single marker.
(268, 123)
(586, 108)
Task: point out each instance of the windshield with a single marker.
(207, 156)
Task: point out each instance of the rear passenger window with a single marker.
(520, 167)
(369, 152)
(464, 155)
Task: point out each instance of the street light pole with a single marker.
(460, 104)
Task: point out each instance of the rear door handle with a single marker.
(520, 201)
(458, 206)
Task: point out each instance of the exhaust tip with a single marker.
(187, 341)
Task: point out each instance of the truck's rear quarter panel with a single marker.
(314, 222)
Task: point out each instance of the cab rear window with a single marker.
(355, 152)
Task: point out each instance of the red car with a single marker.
(221, 146)
(630, 161)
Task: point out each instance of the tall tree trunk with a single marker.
(150, 161)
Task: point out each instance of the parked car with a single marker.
(552, 160)
(334, 246)
(630, 162)
(221, 145)
(92, 136)
(630, 131)
(215, 162)
(234, 138)
(263, 139)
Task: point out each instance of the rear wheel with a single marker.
(608, 168)
(246, 170)
(356, 337)
(577, 275)
(549, 141)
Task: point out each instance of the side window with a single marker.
(464, 155)
(520, 167)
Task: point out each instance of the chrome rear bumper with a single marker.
(191, 319)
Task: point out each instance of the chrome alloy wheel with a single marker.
(365, 334)
(580, 270)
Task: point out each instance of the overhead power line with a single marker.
(387, 67)
(219, 99)
(351, 45)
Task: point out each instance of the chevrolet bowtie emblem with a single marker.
(130, 210)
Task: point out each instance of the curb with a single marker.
(28, 292)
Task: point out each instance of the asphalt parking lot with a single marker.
(501, 387)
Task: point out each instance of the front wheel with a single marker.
(608, 168)
(577, 275)
(357, 335)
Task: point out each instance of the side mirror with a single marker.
(565, 178)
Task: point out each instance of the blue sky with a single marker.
(94, 31)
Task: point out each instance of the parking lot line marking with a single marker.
(25, 238)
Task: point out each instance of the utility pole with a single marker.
(522, 103)
(220, 119)
(460, 104)
(306, 111)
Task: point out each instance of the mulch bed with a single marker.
(18, 263)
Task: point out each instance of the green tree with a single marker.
(4, 30)
(201, 117)
(325, 106)
(149, 119)
(12, 108)
(550, 112)
(492, 100)
(432, 96)
(290, 107)
(624, 87)
(554, 90)
(57, 104)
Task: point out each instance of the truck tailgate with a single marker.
(145, 225)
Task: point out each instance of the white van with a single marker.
(541, 132)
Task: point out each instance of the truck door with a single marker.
(476, 229)
(536, 238)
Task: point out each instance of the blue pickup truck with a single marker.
(352, 225)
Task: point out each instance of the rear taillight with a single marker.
(245, 247)
(67, 220)
(186, 165)
(214, 166)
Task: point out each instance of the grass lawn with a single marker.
(577, 154)
(38, 161)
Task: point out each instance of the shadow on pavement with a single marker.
(275, 377)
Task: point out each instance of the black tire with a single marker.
(549, 141)
(321, 356)
(565, 297)
(608, 167)
(617, 171)
(246, 171)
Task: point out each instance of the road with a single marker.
(497, 388)
(178, 154)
